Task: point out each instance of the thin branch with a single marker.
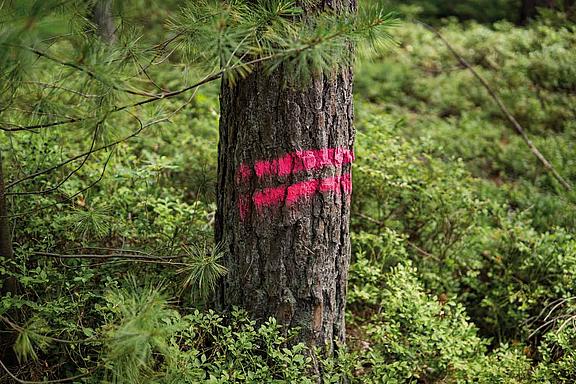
(118, 259)
(48, 85)
(371, 219)
(66, 380)
(82, 69)
(39, 126)
(122, 250)
(138, 257)
(166, 95)
(74, 171)
(547, 165)
(145, 72)
(63, 163)
(67, 198)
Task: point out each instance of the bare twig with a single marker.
(139, 257)
(371, 219)
(80, 156)
(547, 165)
(70, 174)
(66, 380)
(67, 198)
(550, 318)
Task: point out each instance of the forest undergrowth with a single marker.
(464, 253)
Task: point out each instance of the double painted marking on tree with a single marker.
(288, 164)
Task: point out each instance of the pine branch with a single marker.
(88, 153)
(135, 133)
(90, 73)
(337, 33)
(163, 96)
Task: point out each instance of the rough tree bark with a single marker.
(104, 20)
(283, 198)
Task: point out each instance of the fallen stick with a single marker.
(549, 167)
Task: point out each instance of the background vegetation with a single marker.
(464, 254)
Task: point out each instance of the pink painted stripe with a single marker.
(302, 190)
(296, 162)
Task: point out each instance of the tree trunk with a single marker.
(283, 199)
(104, 20)
(9, 283)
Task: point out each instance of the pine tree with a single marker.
(286, 143)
